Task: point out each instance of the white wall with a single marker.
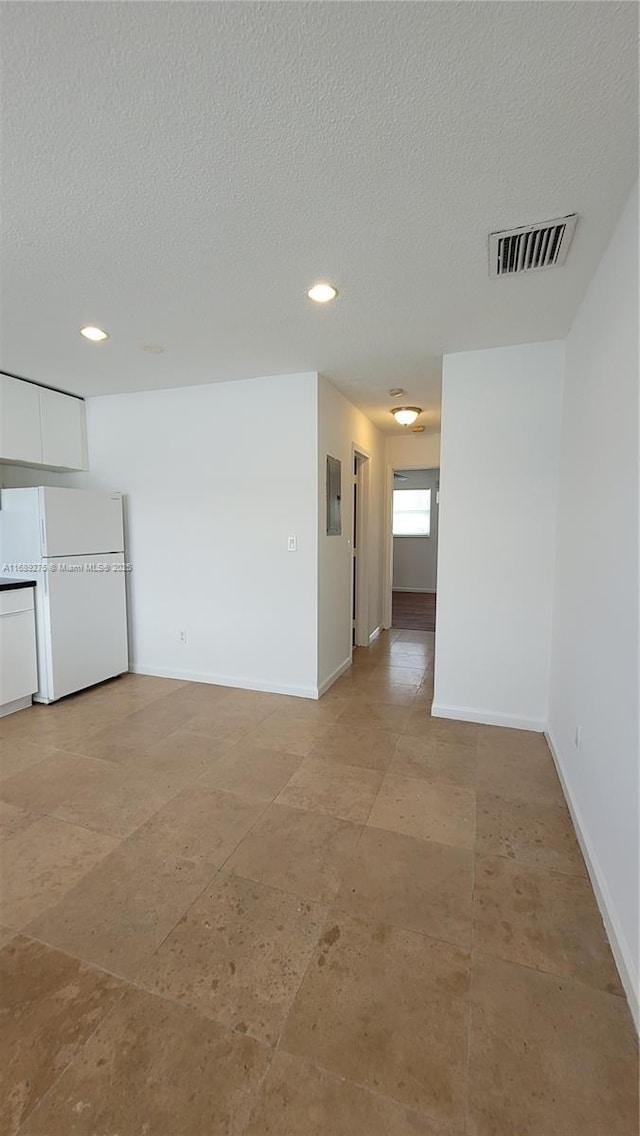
(417, 450)
(340, 427)
(498, 489)
(595, 673)
(415, 558)
(216, 478)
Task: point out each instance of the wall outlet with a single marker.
(182, 636)
(577, 737)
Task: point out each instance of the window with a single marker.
(411, 512)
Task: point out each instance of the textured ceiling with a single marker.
(181, 173)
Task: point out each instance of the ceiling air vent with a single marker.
(531, 246)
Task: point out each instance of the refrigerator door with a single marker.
(86, 624)
(78, 521)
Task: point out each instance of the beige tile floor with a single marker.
(227, 913)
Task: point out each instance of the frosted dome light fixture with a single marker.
(95, 334)
(406, 415)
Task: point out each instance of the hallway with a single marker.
(233, 912)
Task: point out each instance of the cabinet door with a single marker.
(63, 430)
(20, 439)
(18, 672)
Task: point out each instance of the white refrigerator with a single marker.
(71, 541)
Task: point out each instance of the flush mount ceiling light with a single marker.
(406, 415)
(322, 293)
(95, 334)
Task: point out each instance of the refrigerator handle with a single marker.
(42, 536)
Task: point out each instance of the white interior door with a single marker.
(78, 521)
(88, 623)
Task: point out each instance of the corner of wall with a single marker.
(594, 663)
(341, 428)
(625, 964)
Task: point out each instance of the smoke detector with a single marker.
(531, 247)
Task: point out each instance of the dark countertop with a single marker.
(7, 584)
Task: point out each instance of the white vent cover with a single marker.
(531, 247)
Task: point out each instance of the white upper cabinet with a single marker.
(62, 422)
(20, 438)
(42, 427)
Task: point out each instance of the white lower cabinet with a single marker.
(18, 666)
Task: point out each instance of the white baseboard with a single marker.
(374, 635)
(333, 677)
(487, 717)
(17, 704)
(429, 591)
(621, 954)
(228, 680)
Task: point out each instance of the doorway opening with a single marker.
(359, 607)
(413, 553)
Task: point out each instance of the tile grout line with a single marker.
(471, 946)
(330, 911)
(133, 984)
(92, 963)
(81, 1048)
(369, 1089)
(529, 866)
(278, 1047)
(208, 883)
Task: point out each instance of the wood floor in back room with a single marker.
(414, 611)
(230, 913)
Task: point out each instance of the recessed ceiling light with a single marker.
(396, 392)
(152, 348)
(322, 293)
(417, 429)
(95, 334)
(406, 415)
